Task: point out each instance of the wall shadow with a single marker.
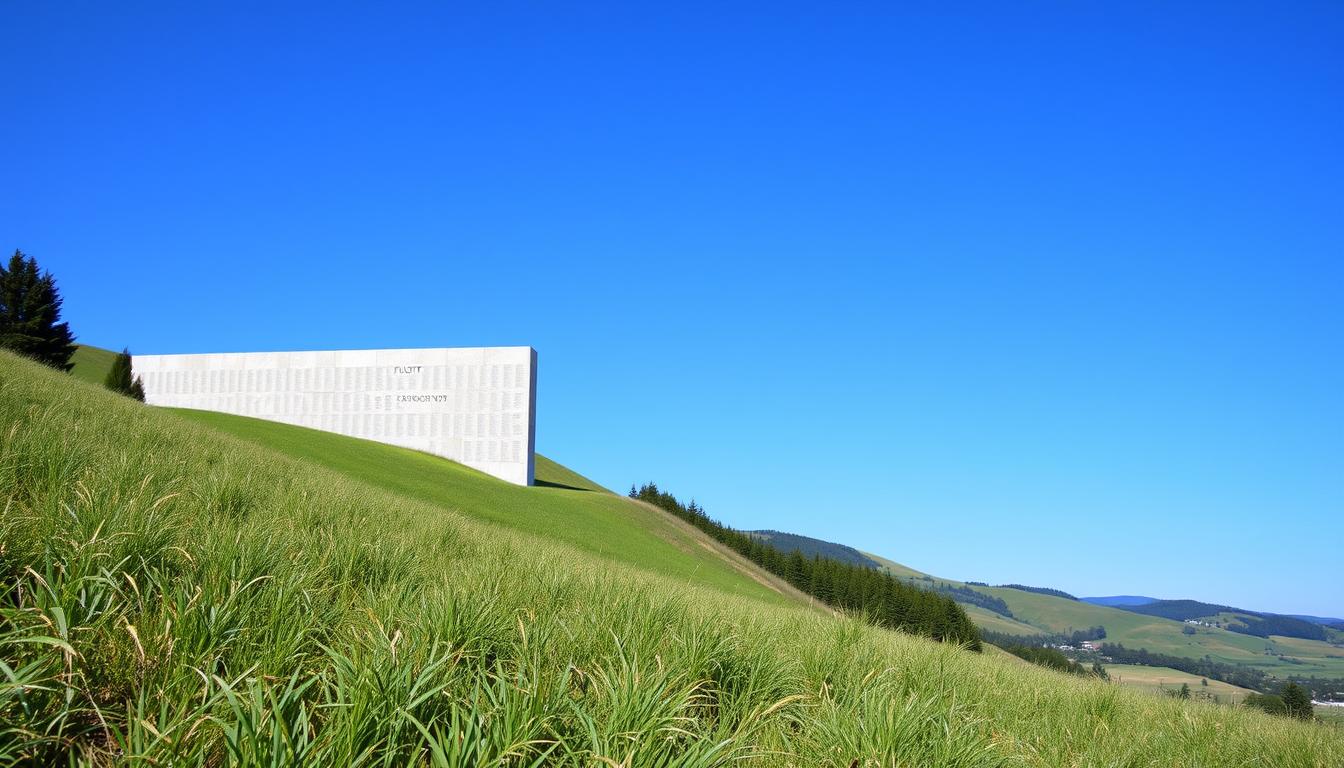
(548, 484)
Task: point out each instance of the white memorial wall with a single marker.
(476, 406)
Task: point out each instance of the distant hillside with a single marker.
(1116, 601)
(810, 547)
(1040, 590)
(1181, 610)
(1325, 621)
(1233, 619)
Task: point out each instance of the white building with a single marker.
(476, 406)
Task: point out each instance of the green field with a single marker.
(1056, 614)
(178, 590)
(1163, 679)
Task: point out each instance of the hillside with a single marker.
(91, 363)
(176, 594)
(1235, 619)
(1115, 601)
(1275, 655)
(596, 522)
(1034, 613)
(810, 547)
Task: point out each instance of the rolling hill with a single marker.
(1032, 613)
(1235, 619)
(180, 589)
(810, 547)
(1116, 601)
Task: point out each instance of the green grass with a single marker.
(176, 595)
(1163, 679)
(596, 522)
(92, 363)
(551, 474)
(613, 530)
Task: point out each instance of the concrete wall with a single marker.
(476, 406)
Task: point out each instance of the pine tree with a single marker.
(30, 314)
(119, 378)
(1297, 701)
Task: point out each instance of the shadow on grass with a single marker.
(549, 484)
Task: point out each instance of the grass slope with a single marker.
(549, 473)
(644, 536)
(596, 522)
(92, 363)
(175, 595)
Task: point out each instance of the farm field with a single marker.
(1162, 679)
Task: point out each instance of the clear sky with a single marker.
(1040, 293)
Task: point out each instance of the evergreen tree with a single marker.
(1297, 701)
(881, 598)
(30, 314)
(119, 378)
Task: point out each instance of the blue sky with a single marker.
(1040, 293)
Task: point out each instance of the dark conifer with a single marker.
(119, 378)
(1297, 701)
(30, 314)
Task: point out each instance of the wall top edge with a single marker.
(336, 351)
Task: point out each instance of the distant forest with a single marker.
(1003, 639)
(1054, 659)
(787, 542)
(1256, 624)
(964, 594)
(882, 598)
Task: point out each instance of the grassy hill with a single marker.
(92, 363)
(179, 591)
(1046, 614)
(1275, 655)
(593, 521)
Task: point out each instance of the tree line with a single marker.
(1269, 624)
(964, 594)
(1252, 622)
(1004, 639)
(1054, 659)
(880, 597)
